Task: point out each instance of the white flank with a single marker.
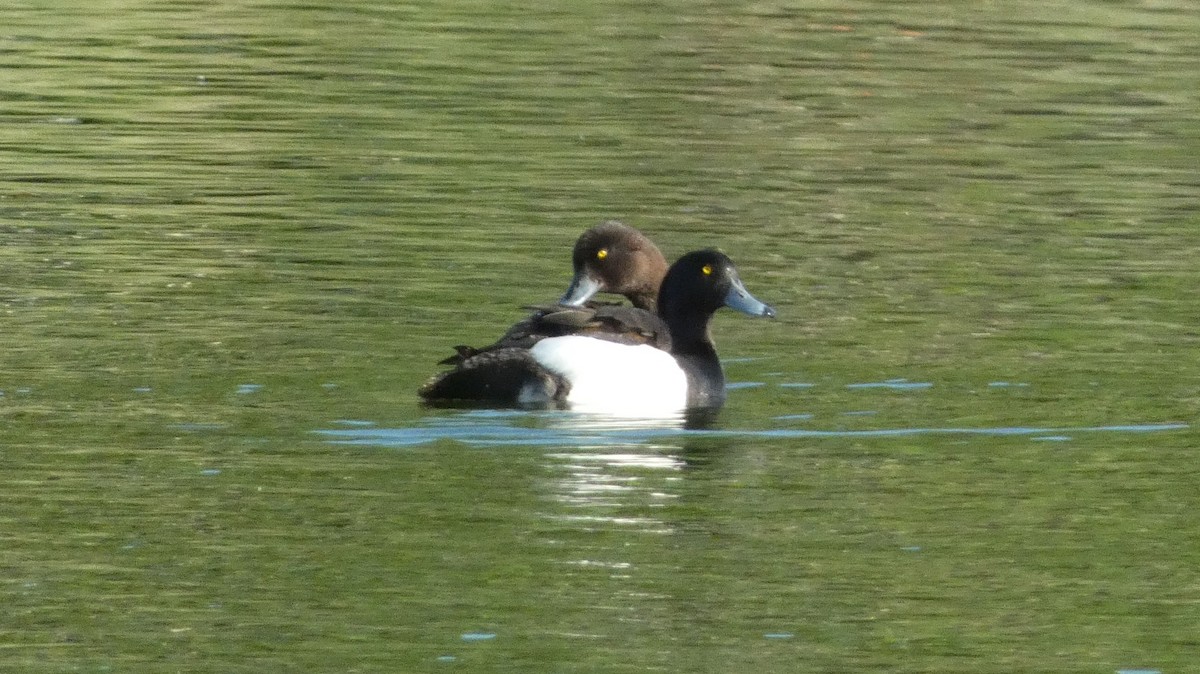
(611, 378)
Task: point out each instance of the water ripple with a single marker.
(893, 384)
(493, 428)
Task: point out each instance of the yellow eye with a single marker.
(706, 270)
(602, 253)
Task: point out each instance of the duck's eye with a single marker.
(706, 270)
(602, 253)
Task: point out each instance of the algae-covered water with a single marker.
(238, 236)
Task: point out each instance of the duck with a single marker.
(592, 373)
(611, 257)
(615, 258)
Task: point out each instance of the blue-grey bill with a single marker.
(582, 288)
(739, 298)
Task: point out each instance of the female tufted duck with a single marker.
(611, 257)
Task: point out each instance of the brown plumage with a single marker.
(611, 257)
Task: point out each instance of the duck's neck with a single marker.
(692, 346)
(698, 360)
(645, 295)
(645, 299)
(689, 330)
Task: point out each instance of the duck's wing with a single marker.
(506, 375)
(627, 325)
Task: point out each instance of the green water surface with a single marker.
(229, 227)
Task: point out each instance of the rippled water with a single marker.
(238, 237)
(491, 428)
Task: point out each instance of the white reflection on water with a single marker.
(620, 464)
(608, 479)
(616, 489)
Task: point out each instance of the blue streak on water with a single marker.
(1005, 384)
(779, 635)
(353, 422)
(893, 384)
(733, 386)
(1052, 438)
(1138, 671)
(470, 429)
(789, 417)
(797, 384)
(492, 414)
(478, 636)
(244, 389)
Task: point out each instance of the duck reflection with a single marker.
(620, 472)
